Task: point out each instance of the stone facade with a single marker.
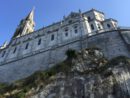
(30, 51)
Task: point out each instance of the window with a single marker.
(52, 37)
(108, 25)
(89, 18)
(76, 31)
(92, 27)
(14, 50)
(66, 34)
(99, 27)
(27, 46)
(3, 54)
(39, 41)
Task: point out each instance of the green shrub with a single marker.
(71, 54)
(39, 77)
(19, 95)
(2, 85)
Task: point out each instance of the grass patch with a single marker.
(40, 77)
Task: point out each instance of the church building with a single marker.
(31, 50)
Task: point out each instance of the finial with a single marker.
(80, 11)
(93, 9)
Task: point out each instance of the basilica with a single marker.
(31, 50)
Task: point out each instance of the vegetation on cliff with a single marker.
(92, 59)
(19, 88)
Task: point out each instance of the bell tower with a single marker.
(26, 25)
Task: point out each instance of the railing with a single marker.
(121, 27)
(101, 31)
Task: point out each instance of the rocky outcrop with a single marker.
(86, 74)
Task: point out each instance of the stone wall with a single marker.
(110, 42)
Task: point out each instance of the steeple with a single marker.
(26, 25)
(30, 15)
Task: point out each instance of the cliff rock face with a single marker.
(91, 79)
(86, 74)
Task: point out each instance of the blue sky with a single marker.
(50, 11)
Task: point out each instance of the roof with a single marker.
(110, 19)
(95, 11)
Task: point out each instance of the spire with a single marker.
(31, 15)
(26, 25)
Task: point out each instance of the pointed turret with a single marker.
(31, 16)
(26, 25)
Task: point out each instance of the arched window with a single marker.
(76, 29)
(66, 34)
(92, 27)
(14, 50)
(99, 27)
(27, 46)
(89, 18)
(108, 25)
(52, 37)
(39, 41)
